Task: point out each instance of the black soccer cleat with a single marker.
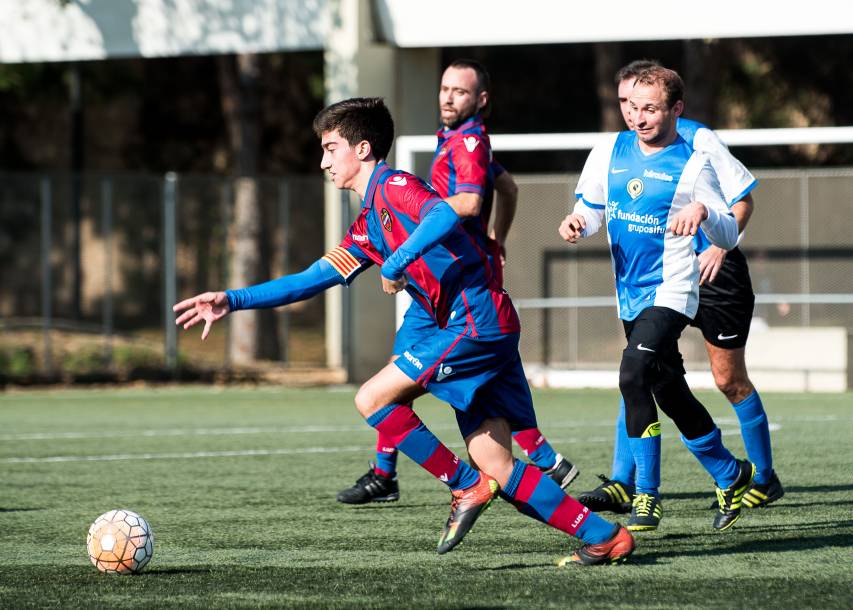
(615, 550)
(729, 500)
(758, 495)
(563, 472)
(610, 496)
(371, 487)
(646, 513)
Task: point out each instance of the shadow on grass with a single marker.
(18, 510)
(187, 570)
(732, 544)
(517, 566)
(709, 493)
(394, 505)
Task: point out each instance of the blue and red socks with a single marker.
(409, 434)
(714, 457)
(623, 459)
(386, 456)
(755, 430)
(535, 446)
(646, 455)
(537, 496)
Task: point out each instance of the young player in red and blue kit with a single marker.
(463, 170)
(471, 360)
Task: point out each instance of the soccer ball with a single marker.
(120, 542)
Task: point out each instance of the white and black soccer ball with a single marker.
(120, 542)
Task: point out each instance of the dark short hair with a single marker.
(484, 81)
(669, 81)
(358, 119)
(633, 69)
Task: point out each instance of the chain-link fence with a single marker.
(798, 245)
(85, 280)
(112, 309)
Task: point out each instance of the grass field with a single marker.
(239, 484)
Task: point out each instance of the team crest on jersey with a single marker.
(385, 217)
(470, 143)
(635, 188)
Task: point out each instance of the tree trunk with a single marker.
(239, 85)
(608, 59)
(701, 80)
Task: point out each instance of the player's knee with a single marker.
(734, 387)
(366, 401)
(633, 375)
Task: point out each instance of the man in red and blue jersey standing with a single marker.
(465, 173)
(471, 359)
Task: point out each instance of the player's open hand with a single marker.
(394, 286)
(208, 307)
(710, 262)
(687, 221)
(572, 227)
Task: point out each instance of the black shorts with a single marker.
(655, 332)
(726, 305)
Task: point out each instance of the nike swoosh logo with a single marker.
(722, 337)
(644, 349)
(617, 171)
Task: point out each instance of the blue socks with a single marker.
(714, 457)
(646, 453)
(623, 459)
(756, 435)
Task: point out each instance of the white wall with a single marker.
(47, 30)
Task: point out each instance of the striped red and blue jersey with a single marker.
(463, 163)
(455, 282)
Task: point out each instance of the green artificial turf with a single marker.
(239, 486)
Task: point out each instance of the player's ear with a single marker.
(678, 108)
(482, 100)
(363, 150)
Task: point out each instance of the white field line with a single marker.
(172, 432)
(237, 431)
(273, 452)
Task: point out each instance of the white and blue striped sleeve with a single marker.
(720, 226)
(735, 180)
(591, 191)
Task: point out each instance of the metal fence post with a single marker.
(107, 221)
(805, 284)
(346, 299)
(46, 279)
(226, 204)
(170, 291)
(284, 223)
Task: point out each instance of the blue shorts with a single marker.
(480, 379)
(416, 323)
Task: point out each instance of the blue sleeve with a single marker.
(288, 289)
(435, 226)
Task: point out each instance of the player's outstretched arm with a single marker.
(207, 307)
(211, 307)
